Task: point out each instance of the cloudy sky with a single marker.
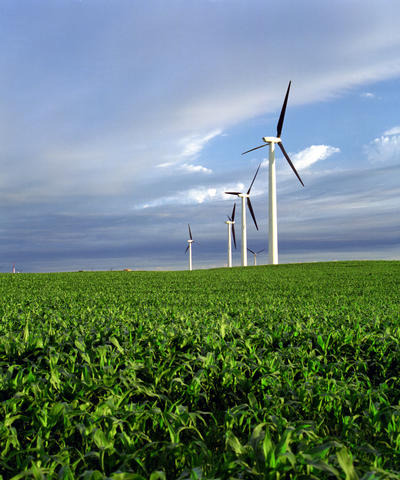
(123, 121)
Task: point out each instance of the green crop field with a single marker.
(287, 372)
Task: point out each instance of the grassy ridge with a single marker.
(266, 372)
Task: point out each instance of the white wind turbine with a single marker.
(231, 233)
(189, 247)
(272, 215)
(246, 196)
(255, 254)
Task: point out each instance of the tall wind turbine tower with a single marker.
(272, 214)
(246, 198)
(189, 247)
(231, 233)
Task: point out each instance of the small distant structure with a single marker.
(127, 269)
(13, 268)
(255, 254)
(231, 232)
(189, 247)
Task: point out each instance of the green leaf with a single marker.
(92, 475)
(26, 332)
(158, 475)
(9, 420)
(346, 462)
(80, 345)
(268, 446)
(234, 443)
(257, 435)
(101, 440)
(126, 476)
(66, 473)
(116, 344)
(320, 342)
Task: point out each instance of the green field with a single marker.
(265, 372)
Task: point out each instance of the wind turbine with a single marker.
(231, 232)
(272, 215)
(189, 247)
(255, 254)
(246, 196)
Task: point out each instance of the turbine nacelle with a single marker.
(272, 139)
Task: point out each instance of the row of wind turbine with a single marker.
(246, 199)
(272, 208)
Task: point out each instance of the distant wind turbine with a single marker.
(189, 247)
(273, 224)
(231, 233)
(255, 254)
(246, 196)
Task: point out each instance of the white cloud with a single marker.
(165, 164)
(199, 195)
(185, 167)
(307, 157)
(195, 168)
(385, 148)
(393, 131)
(190, 147)
(194, 144)
(368, 95)
(193, 196)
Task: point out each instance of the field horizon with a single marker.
(156, 270)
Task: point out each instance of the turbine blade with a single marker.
(233, 212)
(260, 251)
(190, 233)
(232, 193)
(255, 148)
(290, 162)
(248, 191)
(282, 115)
(250, 250)
(233, 235)
(229, 218)
(187, 248)
(252, 211)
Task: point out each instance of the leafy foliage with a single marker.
(265, 372)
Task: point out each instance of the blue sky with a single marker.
(122, 121)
